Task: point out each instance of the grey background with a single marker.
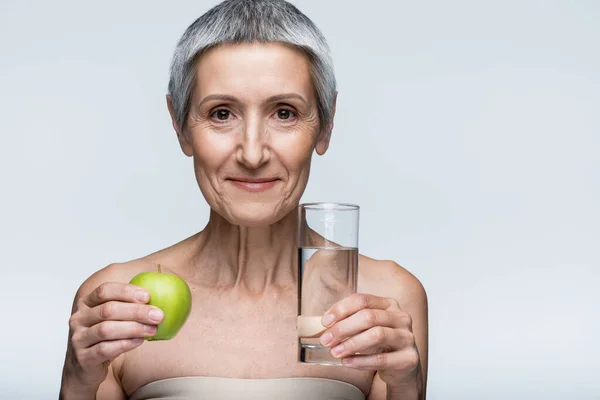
(468, 131)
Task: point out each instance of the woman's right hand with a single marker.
(113, 319)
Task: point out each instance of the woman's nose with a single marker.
(253, 150)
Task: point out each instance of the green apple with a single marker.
(172, 295)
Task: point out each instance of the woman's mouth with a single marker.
(253, 184)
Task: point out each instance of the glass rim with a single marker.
(329, 205)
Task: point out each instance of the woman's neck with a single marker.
(250, 260)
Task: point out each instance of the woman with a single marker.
(251, 96)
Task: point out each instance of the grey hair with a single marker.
(247, 21)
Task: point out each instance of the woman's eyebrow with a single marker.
(286, 96)
(222, 97)
(272, 99)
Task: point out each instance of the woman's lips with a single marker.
(254, 185)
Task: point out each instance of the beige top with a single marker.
(212, 388)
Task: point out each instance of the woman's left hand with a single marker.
(372, 333)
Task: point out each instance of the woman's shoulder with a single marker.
(169, 258)
(121, 272)
(386, 278)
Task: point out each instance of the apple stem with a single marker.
(159, 268)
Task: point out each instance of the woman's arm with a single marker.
(400, 284)
(108, 390)
(107, 320)
(383, 328)
(408, 290)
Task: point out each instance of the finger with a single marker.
(110, 291)
(355, 302)
(373, 340)
(113, 330)
(120, 311)
(406, 360)
(107, 351)
(360, 322)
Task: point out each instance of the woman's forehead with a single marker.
(254, 69)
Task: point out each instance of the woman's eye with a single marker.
(285, 114)
(221, 115)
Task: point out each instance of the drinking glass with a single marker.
(327, 271)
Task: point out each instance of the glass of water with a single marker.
(327, 271)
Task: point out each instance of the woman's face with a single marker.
(252, 127)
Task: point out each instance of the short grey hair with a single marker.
(248, 21)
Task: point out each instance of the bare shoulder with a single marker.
(387, 278)
(116, 272)
(123, 272)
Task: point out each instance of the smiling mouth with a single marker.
(253, 184)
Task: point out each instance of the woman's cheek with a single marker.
(295, 153)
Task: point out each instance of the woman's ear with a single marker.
(183, 139)
(322, 143)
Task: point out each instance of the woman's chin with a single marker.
(255, 215)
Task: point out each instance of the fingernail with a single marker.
(337, 350)
(150, 328)
(326, 338)
(155, 314)
(327, 319)
(346, 362)
(140, 295)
